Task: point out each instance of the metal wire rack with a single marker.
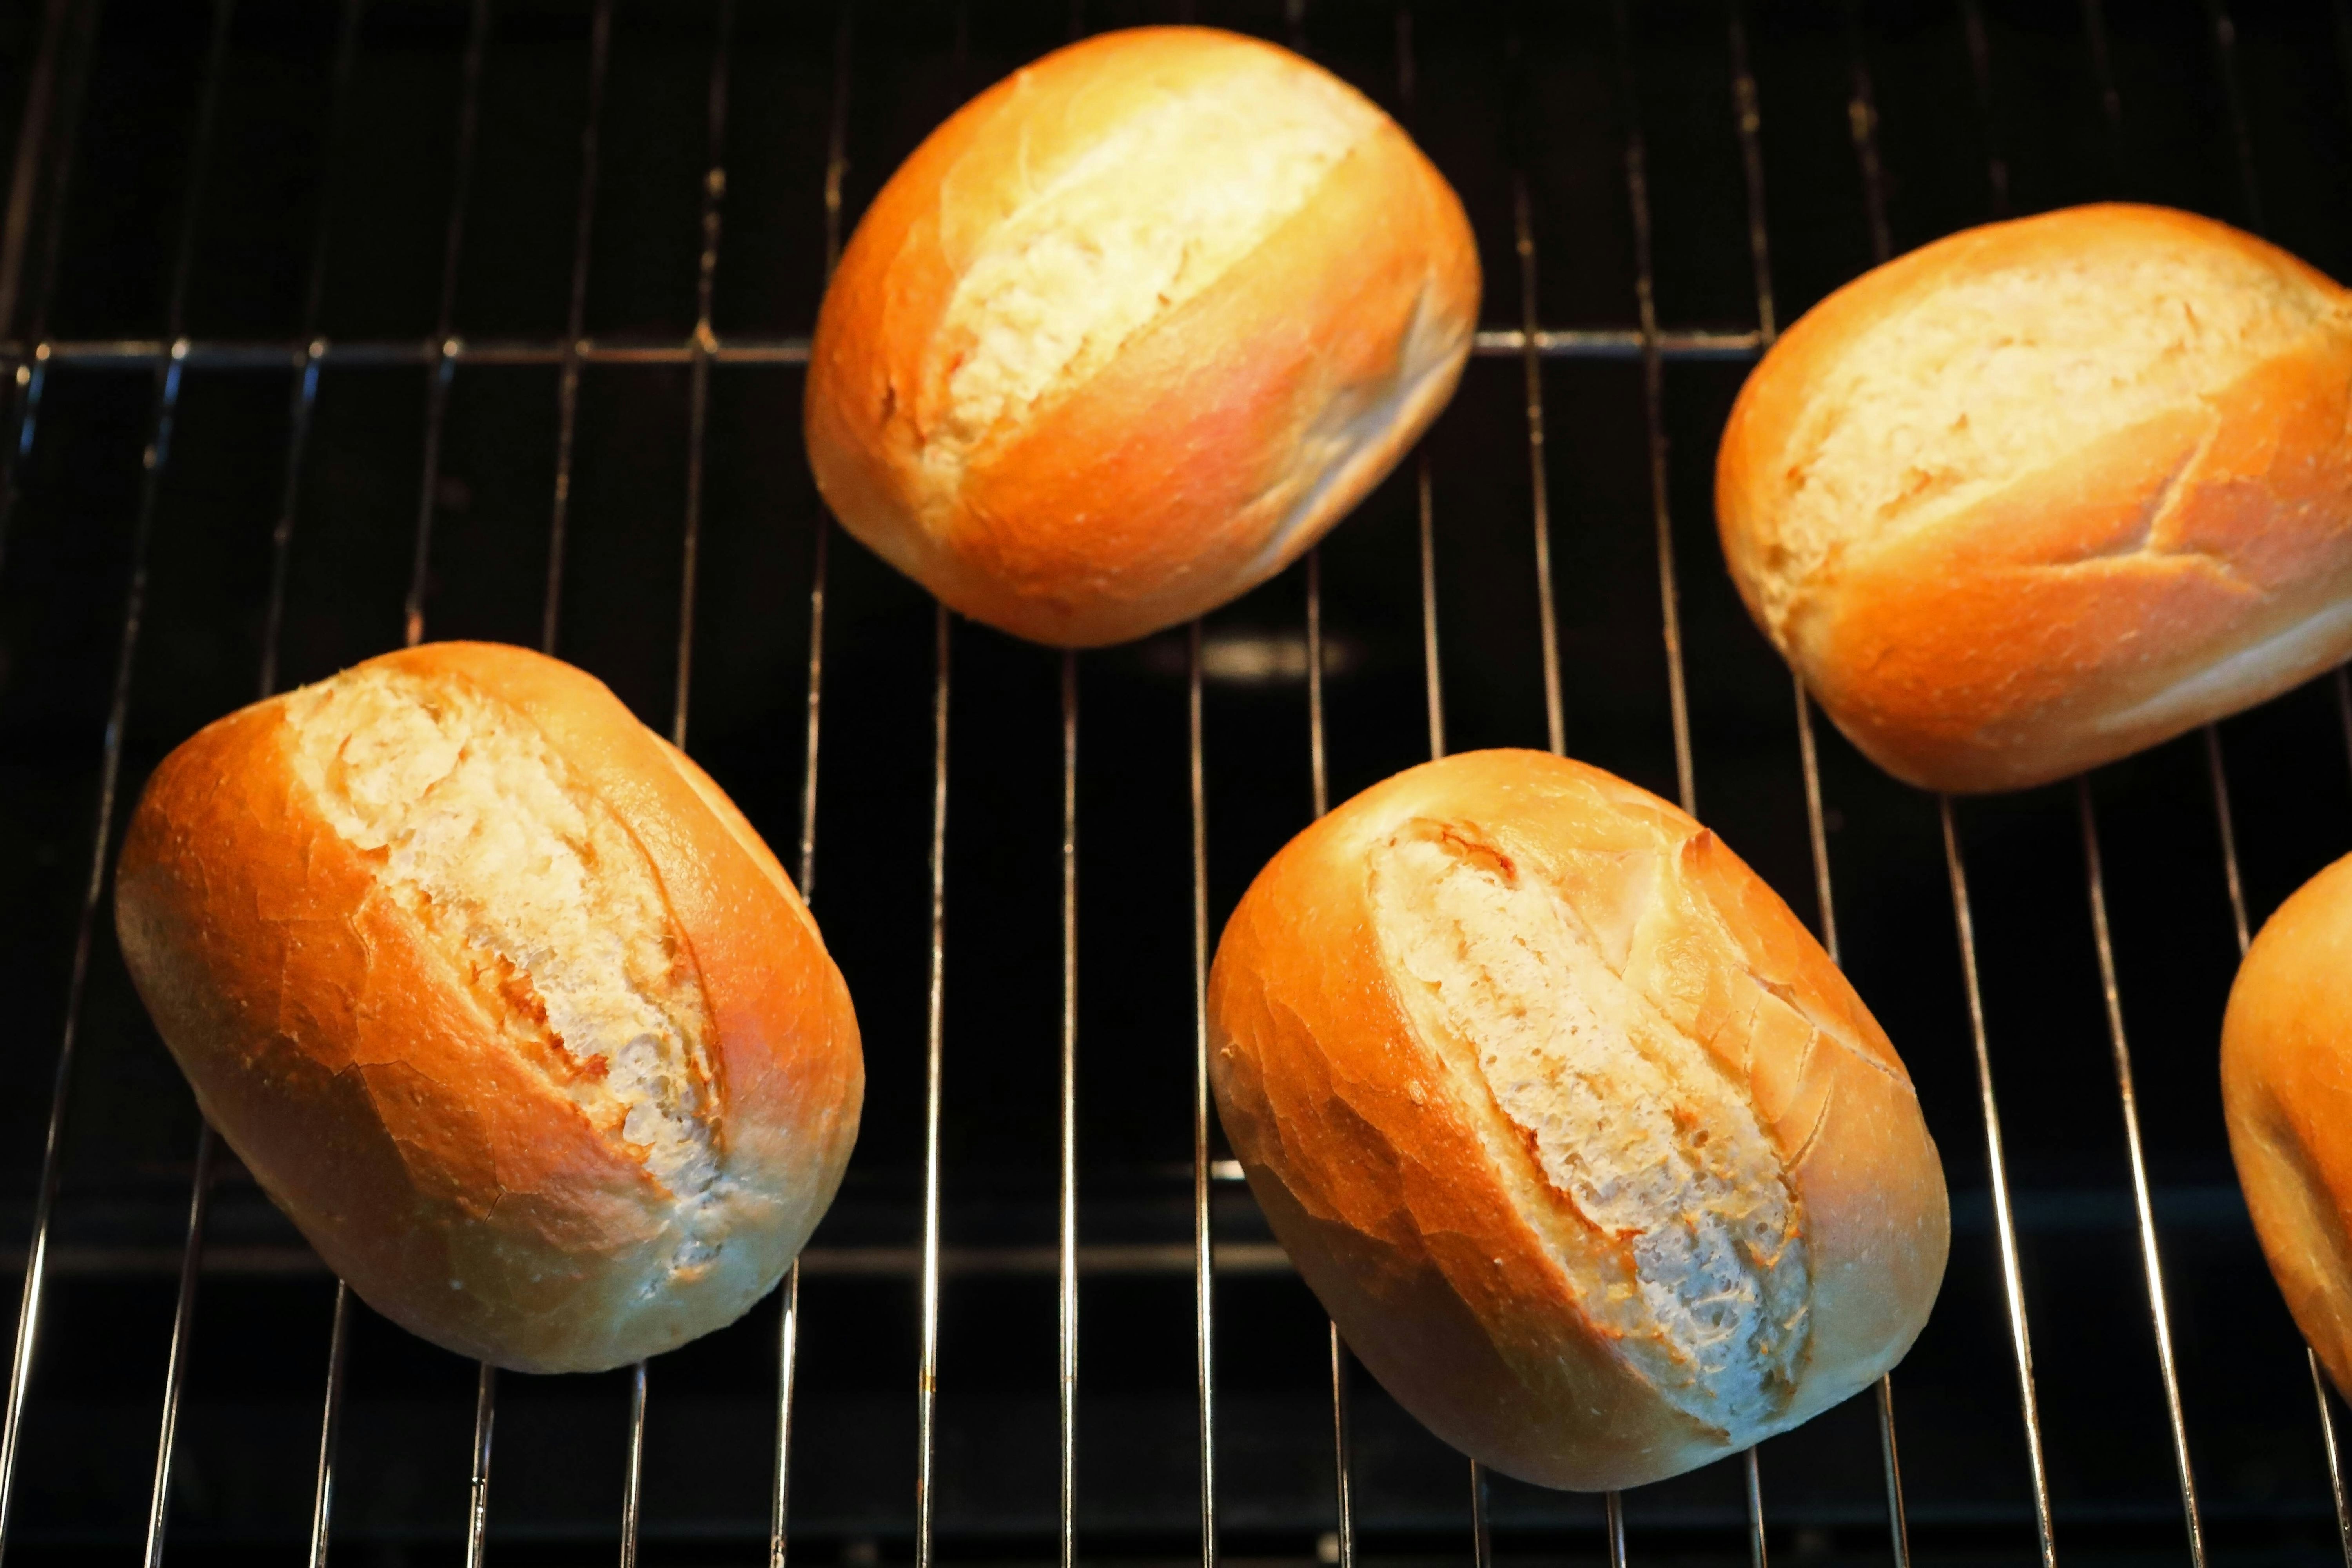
(65, 46)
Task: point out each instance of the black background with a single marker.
(1535, 87)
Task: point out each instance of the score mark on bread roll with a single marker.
(1132, 329)
(2046, 492)
(1595, 1158)
(2286, 1093)
(500, 999)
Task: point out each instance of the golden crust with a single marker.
(2050, 626)
(433, 1165)
(2286, 1092)
(1184, 471)
(1397, 1216)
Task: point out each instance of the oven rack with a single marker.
(44, 166)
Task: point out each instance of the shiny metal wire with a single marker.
(184, 1309)
(706, 278)
(725, 350)
(157, 458)
(1758, 1557)
(2241, 140)
(1539, 494)
(1432, 682)
(444, 334)
(633, 1472)
(1637, 196)
(788, 1325)
(575, 321)
(928, 1383)
(1997, 1170)
(305, 400)
(1481, 1541)
(331, 1425)
(477, 1486)
(1203, 1273)
(51, 126)
(2151, 1261)
(1068, 1325)
(1972, 28)
(176, 1371)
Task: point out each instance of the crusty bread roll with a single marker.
(1597, 1161)
(2287, 1092)
(1132, 329)
(500, 999)
(2047, 492)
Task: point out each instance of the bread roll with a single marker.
(2047, 492)
(1597, 1161)
(1132, 329)
(2287, 1092)
(501, 1001)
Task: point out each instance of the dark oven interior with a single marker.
(333, 324)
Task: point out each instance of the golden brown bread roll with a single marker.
(1132, 329)
(2046, 492)
(1597, 1161)
(500, 999)
(2287, 1092)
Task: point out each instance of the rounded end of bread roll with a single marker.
(500, 999)
(2047, 492)
(1132, 329)
(1594, 1157)
(2286, 1092)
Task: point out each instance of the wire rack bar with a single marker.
(156, 459)
(1524, 242)
(1637, 194)
(1203, 1263)
(322, 1492)
(2241, 140)
(477, 1486)
(1972, 27)
(633, 1472)
(788, 1336)
(183, 1308)
(66, 34)
(1068, 1260)
(1432, 684)
(706, 277)
(40, 95)
(175, 1369)
(1481, 1540)
(2151, 1261)
(445, 361)
(725, 350)
(927, 1386)
(567, 386)
(1757, 1556)
(1997, 1170)
(281, 548)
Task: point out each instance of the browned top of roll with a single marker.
(1597, 1160)
(2286, 1090)
(1132, 329)
(500, 999)
(2045, 493)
